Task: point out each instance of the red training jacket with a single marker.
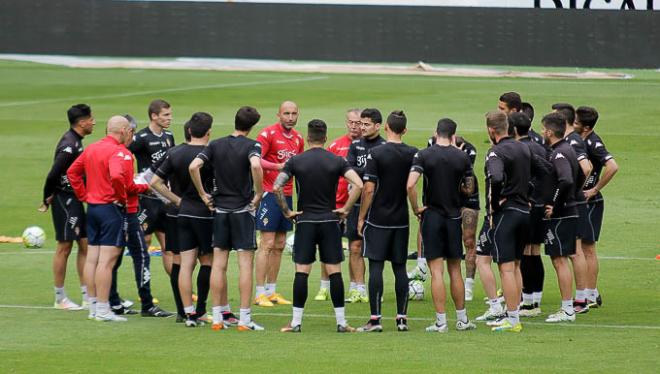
(122, 171)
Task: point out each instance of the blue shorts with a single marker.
(270, 217)
(106, 225)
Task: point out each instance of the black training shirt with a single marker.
(68, 149)
(598, 155)
(150, 148)
(230, 158)
(565, 179)
(175, 169)
(388, 166)
(540, 176)
(444, 168)
(508, 170)
(316, 173)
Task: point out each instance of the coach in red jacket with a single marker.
(105, 189)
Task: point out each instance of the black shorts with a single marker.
(195, 233)
(106, 225)
(325, 235)
(351, 232)
(152, 215)
(592, 222)
(510, 235)
(385, 244)
(69, 217)
(485, 239)
(561, 235)
(536, 225)
(442, 236)
(172, 234)
(235, 230)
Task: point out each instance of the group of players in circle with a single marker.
(204, 198)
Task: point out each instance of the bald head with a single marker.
(288, 114)
(116, 124)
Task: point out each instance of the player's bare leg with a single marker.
(274, 263)
(188, 262)
(102, 281)
(266, 243)
(219, 285)
(565, 281)
(489, 284)
(511, 290)
(420, 271)
(81, 257)
(458, 294)
(356, 262)
(469, 224)
(324, 288)
(591, 258)
(60, 259)
(166, 256)
(89, 274)
(581, 276)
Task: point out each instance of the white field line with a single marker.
(329, 316)
(164, 90)
(618, 258)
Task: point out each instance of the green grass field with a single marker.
(624, 335)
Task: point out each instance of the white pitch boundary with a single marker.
(164, 90)
(619, 258)
(328, 316)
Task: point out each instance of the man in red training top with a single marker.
(97, 178)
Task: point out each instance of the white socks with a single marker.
(245, 316)
(92, 306)
(60, 294)
(261, 290)
(83, 291)
(440, 319)
(421, 263)
(189, 309)
(469, 283)
(528, 298)
(461, 315)
(580, 295)
(340, 316)
(352, 286)
(567, 306)
(217, 314)
(325, 284)
(513, 317)
(297, 316)
(536, 297)
(270, 289)
(102, 309)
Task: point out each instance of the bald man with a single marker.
(97, 178)
(279, 142)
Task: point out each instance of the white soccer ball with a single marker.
(288, 246)
(415, 290)
(34, 237)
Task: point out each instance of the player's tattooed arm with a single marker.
(158, 184)
(278, 189)
(196, 177)
(411, 187)
(354, 192)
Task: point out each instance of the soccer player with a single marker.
(340, 147)
(531, 265)
(510, 102)
(136, 244)
(528, 109)
(68, 212)
(578, 259)
(195, 219)
(450, 178)
(317, 173)
(237, 168)
(560, 212)
(149, 146)
(96, 177)
(357, 158)
(383, 219)
(279, 142)
(469, 218)
(508, 167)
(585, 121)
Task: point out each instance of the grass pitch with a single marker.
(622, 336)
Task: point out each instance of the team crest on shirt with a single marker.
(265, 221)
(145, 226)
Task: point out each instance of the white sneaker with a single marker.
(127, 304)
(250, 327)
(561, 316)
(534, 312)
(468, 294)
(85, 304)
(110, 317)
(490, 315)
(67, 304)
(91, 316)
(435, 328)
(464, 326)
(418, 273)
(498, 322)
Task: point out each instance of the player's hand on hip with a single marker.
(360, 226)
(548, 211)
(420, 212)
(292, 215)
(342, 213)
(208, 201)
(590, 193)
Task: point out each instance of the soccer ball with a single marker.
(34, 237)
(415, 290)
(288, 245)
